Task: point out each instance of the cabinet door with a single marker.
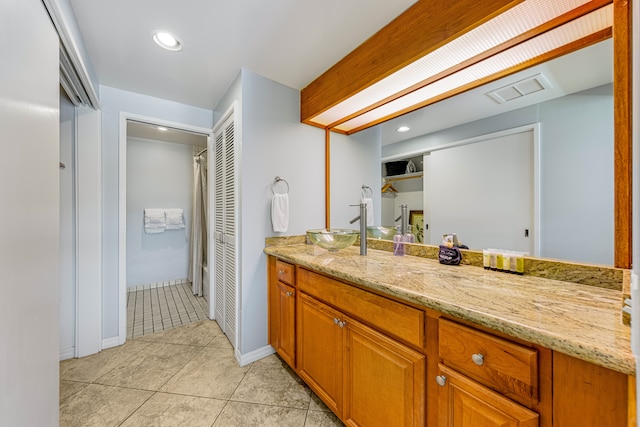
(464, 403)
(320, 349)
(384, 381)
(286, 321)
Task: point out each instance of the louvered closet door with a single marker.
(225, 228)
(218, 230)
(230, 210)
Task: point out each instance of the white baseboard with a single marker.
(67, 353)
(110, 342)
(245, 359)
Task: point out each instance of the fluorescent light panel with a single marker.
(595, 21)
(515, 21)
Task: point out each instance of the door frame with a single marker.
(122, 207)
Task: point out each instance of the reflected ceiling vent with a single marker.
(519, 89)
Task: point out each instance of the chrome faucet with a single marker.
(363, 227)
(404, 219)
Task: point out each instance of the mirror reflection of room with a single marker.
(524, 163)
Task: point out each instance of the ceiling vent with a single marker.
(519, 89)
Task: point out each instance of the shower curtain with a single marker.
(198, 256)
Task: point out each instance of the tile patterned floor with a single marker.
(185, 376)
(156, 309)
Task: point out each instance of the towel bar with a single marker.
(276, 181)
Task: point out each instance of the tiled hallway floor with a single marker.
(156, 309)
(186, 376)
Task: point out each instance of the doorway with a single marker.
(156, 174)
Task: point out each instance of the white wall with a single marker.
(67, 229)
(29, 234)
(274, 142)
(576, 160)
(355, 161)
(159, 175)
(113, 102)
(576, 169)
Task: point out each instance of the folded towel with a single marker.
(154, 216)
(154, 221)
(280, 212)
(369, 202)
(174, 219)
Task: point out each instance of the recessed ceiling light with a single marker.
(403, 129)
(167, 41)
(162, 128)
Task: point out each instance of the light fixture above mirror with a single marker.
(510, 39)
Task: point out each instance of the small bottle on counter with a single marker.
(493, 263)
(499, 261)
(398, 243)
(486, 259)
(520, 263)
(506, 261)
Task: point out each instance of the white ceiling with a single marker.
(288, 41)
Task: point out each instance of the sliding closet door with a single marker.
(226, 262)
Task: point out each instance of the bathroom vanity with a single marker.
(406, 341)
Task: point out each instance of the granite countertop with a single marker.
(578, 320)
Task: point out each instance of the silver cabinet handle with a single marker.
(342, 324)
(335, 320)
(281, 272)
(289, 294)
(478, 359)
(441, 380)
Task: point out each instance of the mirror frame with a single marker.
(331, 87)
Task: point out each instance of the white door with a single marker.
(226, 265)
(29, 218)
(483, 193)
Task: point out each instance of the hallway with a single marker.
(185, 376)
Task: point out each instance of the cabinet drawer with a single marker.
(509, 368)
(398, 320)
(286, 272)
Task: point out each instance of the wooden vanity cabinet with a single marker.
(466, 403)
(485, 380)
(364, 376)
(282, 309)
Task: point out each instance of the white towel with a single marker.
(369, 202)
(174, 219)
(280, 212)
(154, 221)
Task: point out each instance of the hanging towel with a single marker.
(280, 212)
(174, 219)
(369, 202)
(154, 221)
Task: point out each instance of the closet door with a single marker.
(226, 261)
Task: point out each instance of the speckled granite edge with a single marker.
(566, 271)
(581, 321)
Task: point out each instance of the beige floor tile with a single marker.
(249, 414)
(322, 419)
(168, 410)
(221, 341)
(152, 367)
(316, 404)
(100, 406)
(271, 382)
(89, 368)
(69, 388)
(214, 372)
(198, 333)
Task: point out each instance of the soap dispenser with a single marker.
(398, 243)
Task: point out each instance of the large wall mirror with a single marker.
(523, 163)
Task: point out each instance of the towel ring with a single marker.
(277, 180)
(365, 189)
